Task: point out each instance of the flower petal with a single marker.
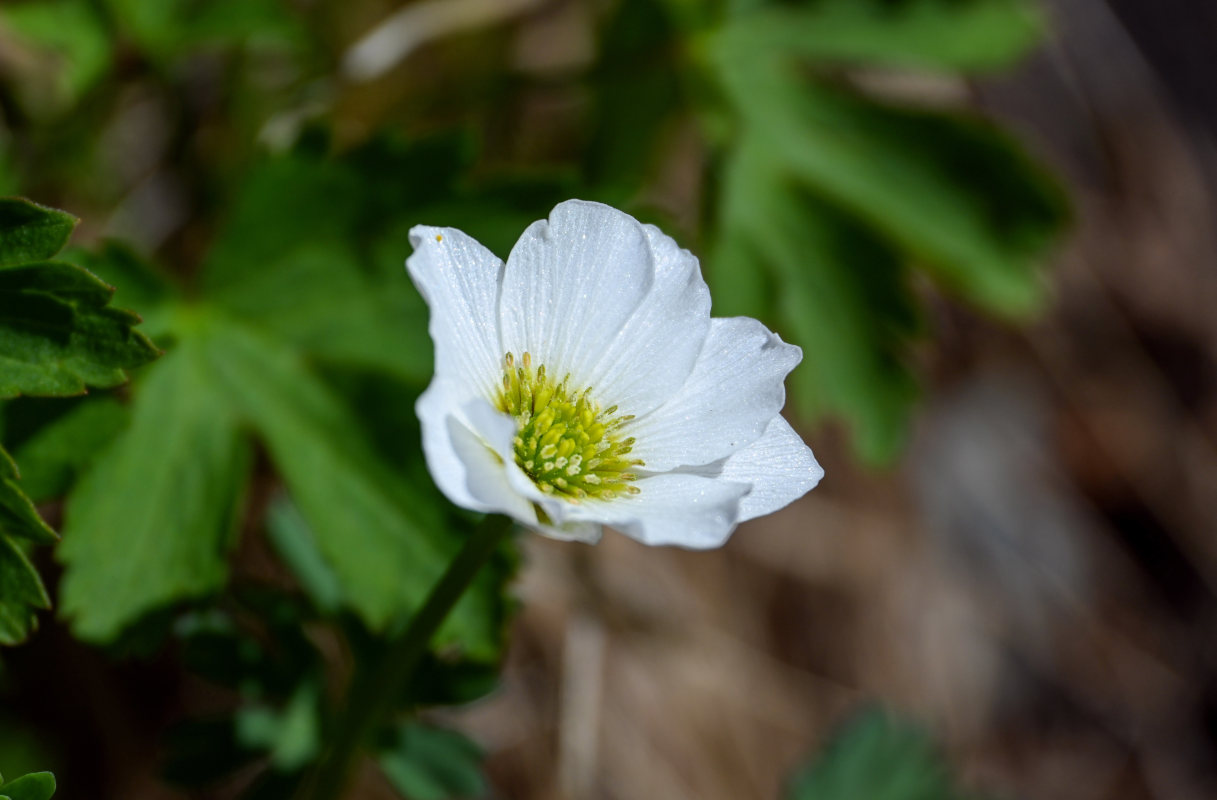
(779, 466)
(734, 391)
(672, 509)
(497, 431)
(466, 470)
(460, 280)
(654, 353)
(571, 284)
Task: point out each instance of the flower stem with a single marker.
(372, 692)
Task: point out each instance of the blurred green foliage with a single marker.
(227, 141)
(877, 756)
(426, 763)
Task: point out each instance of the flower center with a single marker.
(565, 442)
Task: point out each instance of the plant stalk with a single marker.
(371, 695)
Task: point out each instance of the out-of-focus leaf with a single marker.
(844, 298)
(35, 786)
(832, 196)
(384, 539)
(294, 259)
(21, 594)
(876, 757)
(935, 34)
(168, 28)
(71, 35)
(292, 735)
(426, 763)
(56, 454)
(952, 193)
(297, 546)
(636, 85)
(150, 522)
(30, 232)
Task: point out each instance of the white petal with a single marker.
(653, 355)
(497, 431)
(466, 470)
(779, 466)
(460, 280)
(571, 284)
(734, 391)
(672, 509)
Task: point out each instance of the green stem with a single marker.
(371, 694)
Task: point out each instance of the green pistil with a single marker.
(565, 442)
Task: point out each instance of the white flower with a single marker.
(583, 383)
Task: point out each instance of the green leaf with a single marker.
(30, 232)
(296, 258)
(57, 453)
(386, 540)
(951, 192)
(636, 87)
(315, 298)
(425, 763)
(833, 197)
(974, 35)
(844, 298)
(57, 334)
(150, 523)
(18, 517)
(21, 594)
(876, 757)
(35, 786)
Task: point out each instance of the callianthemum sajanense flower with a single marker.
(584, 383)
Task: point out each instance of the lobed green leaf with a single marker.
(296, 259)
(152, 519)
(30, 232)
(384, 539)
(21, 593)
(844, 297)
(951, 192)
(57, 332)
(18, 517)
